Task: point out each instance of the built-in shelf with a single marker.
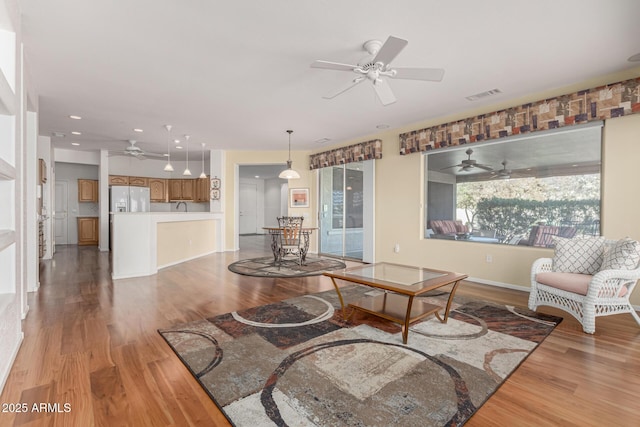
(7, 97)
(7, 237)
(7, 172)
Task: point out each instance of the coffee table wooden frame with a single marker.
(397, 303)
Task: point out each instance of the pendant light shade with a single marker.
(289, 173)
(187, 172)
(168, 167)
(202, 175)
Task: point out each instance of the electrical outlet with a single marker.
(489, 258)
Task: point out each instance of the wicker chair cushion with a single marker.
(571, 282)
(623, 255)
(578, 255)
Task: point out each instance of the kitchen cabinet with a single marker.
(181, 189)
(118, 180)
(158, 190)
(87, 231)
(203, 190)
(87, 190)
(138, 181)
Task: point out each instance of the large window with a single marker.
(520, 191)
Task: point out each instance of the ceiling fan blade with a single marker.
(333, 66)
(426, 74)
(344, 88)
(485, 167)
(384, 92)
(153, 155)
(390, 49)
(453, 166)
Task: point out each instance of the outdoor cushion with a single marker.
(578, 255)
(623, 255)
(570, 282)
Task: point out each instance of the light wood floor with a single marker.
(92, 343)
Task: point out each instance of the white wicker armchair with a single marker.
(605, 294)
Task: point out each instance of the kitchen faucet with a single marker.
(178, 206)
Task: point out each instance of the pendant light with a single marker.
(202, 175)
(187, 172)
(289, 173)
(168, 167)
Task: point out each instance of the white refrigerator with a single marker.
(129, 199)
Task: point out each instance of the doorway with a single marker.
(346, 211)
(60, 213)
(248, 208)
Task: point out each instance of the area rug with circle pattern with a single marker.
(289, 267)
(299, 363)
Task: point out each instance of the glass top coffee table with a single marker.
(401, 283)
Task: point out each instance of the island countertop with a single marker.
(144, 242)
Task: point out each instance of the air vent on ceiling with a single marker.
(483, 94)
(58, 134)
(322, 140)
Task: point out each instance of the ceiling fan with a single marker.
(135, 151)
(503, 173)
(469, 163)
(377, 67)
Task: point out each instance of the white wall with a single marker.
(273, 201)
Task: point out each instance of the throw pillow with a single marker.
(623, 255)
(578, 255)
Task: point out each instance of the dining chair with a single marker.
(290, 241)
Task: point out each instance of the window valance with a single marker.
(599, 103)
(352, 153)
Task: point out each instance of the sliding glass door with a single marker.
(346, 211)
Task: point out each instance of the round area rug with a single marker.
(265, 267)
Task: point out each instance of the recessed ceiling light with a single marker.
(75, 117)
(138, 130)
(76, 133)
(257, 176)
(75, 143)
(179, 147)
(322, 140)
(177, 141)
(383, 126)
(166, 155)
(634, 58)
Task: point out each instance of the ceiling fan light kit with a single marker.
(377, 68)
(289, 172)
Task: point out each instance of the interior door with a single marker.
(60, 213)
(248, 204)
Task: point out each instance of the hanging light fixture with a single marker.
(187, 172)
(202, 175)
(289, 173)
(168, 167)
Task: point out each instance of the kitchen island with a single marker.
(144, 242)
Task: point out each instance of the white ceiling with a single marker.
(236, 74)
